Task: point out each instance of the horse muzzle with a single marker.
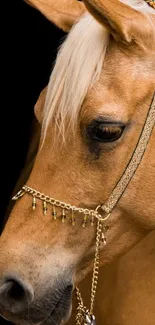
(18, 303)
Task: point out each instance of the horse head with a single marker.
(92, 115)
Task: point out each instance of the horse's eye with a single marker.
(105, 132)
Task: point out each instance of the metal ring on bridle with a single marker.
(99, 216)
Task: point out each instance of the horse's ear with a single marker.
(38, 109)
(63, 13)
(130, 24)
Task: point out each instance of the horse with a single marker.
(96, 145)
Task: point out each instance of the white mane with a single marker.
(78, 67)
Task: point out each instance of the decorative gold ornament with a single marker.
(33, 203)
(72, 219)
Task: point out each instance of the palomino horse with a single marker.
(96, 146)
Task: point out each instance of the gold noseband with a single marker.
(117, 192)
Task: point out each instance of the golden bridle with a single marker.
(101, 213)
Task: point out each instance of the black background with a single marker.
(29, 45)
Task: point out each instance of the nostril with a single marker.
(16, 292)
(15, 296)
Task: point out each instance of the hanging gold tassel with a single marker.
(104, 231)
(103, 238)
(54, 213)
(44, 208)
(72, 219)
(63, 216)
(85, 219)
(92, 221)
(33, 203)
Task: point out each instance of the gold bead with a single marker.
(72, 219)
(103, 238)
(33, 203)
(85, 219)
(92, 221)
(54, 213)
(63, 216)
(44, 208)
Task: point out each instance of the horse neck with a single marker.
(126, 287)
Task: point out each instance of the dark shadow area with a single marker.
(29, 47)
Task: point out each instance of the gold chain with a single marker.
(45, 198)
(83, 314)
(96, 265)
